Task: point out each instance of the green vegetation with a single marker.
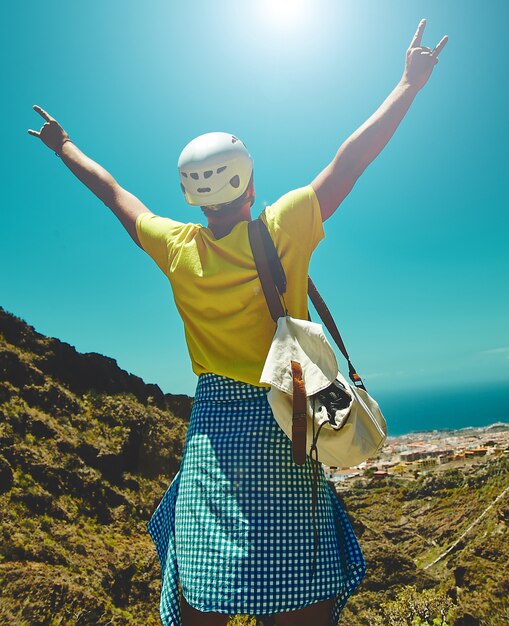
(428, 607)
(82, 469)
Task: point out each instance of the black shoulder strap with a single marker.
(265, 269)
(323, 311)
(277, 271)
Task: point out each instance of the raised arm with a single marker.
(335, 182)
(123, 204)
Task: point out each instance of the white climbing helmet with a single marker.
(214, 168)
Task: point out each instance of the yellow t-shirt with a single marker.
(216, 287)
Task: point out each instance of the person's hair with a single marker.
(238, 202)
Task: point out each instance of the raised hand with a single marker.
(51, 133)
(421, 60)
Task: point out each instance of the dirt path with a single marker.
(476, 521)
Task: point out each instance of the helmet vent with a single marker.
(203, 189)
(235, 181)
(184, 174)
(234, 139)
(208, 173)
(195, 176)
(220, 169)
(183, 188)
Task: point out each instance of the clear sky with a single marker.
(415, 261)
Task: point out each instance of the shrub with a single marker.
(429, 607)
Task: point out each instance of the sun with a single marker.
(285, 13)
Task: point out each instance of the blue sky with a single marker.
(415, 262)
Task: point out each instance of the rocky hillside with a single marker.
(405, 525)
(87, 451)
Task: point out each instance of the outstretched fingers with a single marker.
(43, 113)
(35, 133)
(440, 46)
(416, 41)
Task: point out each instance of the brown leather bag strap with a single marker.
(299, 418)
(264, 272)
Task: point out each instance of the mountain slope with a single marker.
(86, 453)
(87, 450)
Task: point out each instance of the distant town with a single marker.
(410, 455)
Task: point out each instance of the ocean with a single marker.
(441, 408)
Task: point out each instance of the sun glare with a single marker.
(283, 13)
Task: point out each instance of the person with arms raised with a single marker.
(234, 528)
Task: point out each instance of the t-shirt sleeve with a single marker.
(159, 236)
(297, 215)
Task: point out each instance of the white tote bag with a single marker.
(345, 433)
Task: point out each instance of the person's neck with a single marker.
(222, 223)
